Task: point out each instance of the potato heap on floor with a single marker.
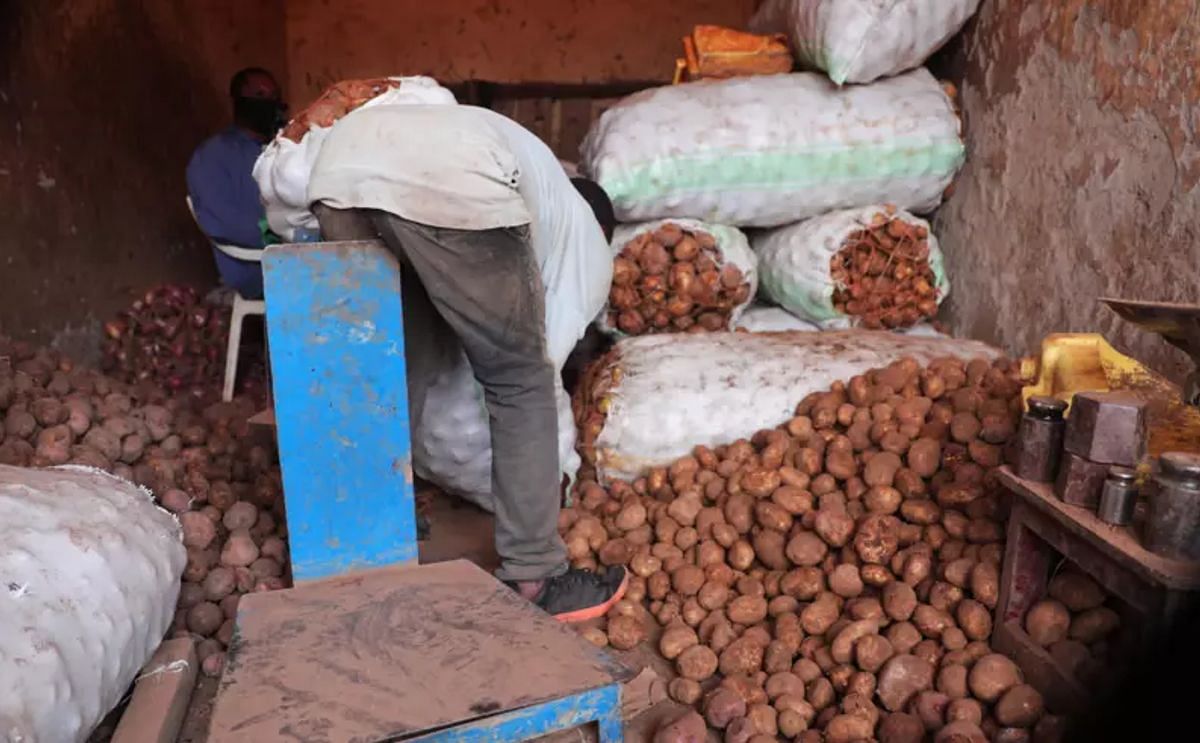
(674, 280)
(835, 576)
(172, 337)
(199, 464)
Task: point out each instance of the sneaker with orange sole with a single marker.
(581, 595)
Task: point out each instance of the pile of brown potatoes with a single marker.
(832, 579)
(1075, 626)
(882, 275)
(201, 464)
(674, 280)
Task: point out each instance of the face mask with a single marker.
(261, 115)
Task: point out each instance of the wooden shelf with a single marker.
(1062, 691)
(1119, 542)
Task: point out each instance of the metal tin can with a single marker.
(1173, 522)
(1040, 439)
(1118, 496)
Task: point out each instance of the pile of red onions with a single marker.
(175, 340)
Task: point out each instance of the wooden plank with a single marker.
(602, 706)
(264, 418)
(1116, 578)
(395, 652)
(161, 697)
(341, 401)
(1062, 692)
(1026, 568)
(1119, 542)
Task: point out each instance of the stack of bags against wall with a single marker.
(829, 176)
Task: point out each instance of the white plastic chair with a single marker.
(241, 308)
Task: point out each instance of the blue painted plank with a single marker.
(336, 334)
(602, 704)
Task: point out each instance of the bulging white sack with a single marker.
(89, 576)
(794, 263)
(770, 150)
(731, 244)
(858, 41)
(667, 394)
(451, 437)
(283, 169)
(762, 318)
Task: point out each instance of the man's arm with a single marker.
(223, 208)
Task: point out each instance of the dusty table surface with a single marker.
(394, 652)
(1119, 542)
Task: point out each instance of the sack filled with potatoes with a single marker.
(678, 276)
(875, 267)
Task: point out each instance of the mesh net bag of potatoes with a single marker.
(830, 579)
(678, 276)
(875, 267)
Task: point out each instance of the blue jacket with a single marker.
(227, 204)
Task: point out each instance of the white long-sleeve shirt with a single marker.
(441, 165)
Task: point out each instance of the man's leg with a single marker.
(487, 287)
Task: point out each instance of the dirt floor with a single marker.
(460, 530)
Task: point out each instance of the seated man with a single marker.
(224, 195)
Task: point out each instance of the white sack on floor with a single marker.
(672, 393)
(761, 318)
(89, 576)
(451, 438)
(770, 150)
(794, 263)
(858, 41)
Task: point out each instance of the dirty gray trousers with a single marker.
(485, 286)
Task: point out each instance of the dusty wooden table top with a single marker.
(393, 652)
(1119, 542)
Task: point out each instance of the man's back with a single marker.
(439, 165)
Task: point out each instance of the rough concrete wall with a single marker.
(536, 40)
(101, 104)
(1082, 172)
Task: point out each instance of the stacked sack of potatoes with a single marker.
(199, 464)
(835, 173)
(832, 579)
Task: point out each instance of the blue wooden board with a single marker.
(336, 333)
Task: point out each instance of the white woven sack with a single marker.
(731, 244)
(762, 318)
(89, 576)
(451, 436)
(675, 392)
(770, 150)
(794, 263)
(859, 41)
(283, 169)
